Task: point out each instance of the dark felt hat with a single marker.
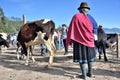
(83, 5)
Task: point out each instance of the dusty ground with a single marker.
(63, 67)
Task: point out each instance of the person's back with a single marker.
(81, 33)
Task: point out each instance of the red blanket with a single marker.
(81, 30)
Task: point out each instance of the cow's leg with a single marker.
(18, 51)
(31, 55)
(52, 49)
(26, 53)
(27, 57)
(50, 60)
(51, 55)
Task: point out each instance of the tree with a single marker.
(1, 12)
(1, 15)
(9, 25)
(5, 23)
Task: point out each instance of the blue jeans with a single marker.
(57, 44)
(43, 49)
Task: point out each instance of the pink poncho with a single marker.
(81, 30)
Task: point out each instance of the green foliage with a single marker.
(9, 25)
(1, 12)
(14, 26)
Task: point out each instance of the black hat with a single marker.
(83, 5)
(100, 25)
(64, 25)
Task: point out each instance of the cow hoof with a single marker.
(18, 58)
(47, 66)
(26, 64)
(34, 62)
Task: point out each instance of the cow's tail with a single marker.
(53, 43)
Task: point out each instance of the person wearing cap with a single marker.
(81, 32)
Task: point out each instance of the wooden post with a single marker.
(118, 45)
(24, 19)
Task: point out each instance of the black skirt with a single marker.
(82, 53)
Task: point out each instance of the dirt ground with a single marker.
(63, 68)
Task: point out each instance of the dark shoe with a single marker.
(89, 75)
(81, 76)
(106, 59)
(99, 57)
(65, 53)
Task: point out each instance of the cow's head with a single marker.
(6, 44)
(46, 26)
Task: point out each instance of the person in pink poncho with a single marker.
(81, 34)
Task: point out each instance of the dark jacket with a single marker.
(101, 35)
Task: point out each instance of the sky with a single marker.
(105, 12)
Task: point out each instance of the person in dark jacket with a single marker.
(101, 42)
(64, 36)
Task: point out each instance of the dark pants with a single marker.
(64, 42)
(101, 49)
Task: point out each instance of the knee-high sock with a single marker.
(83, 69)
(90, 68)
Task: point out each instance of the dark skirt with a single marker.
(82, 53)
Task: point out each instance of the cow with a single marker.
(37, 32)
(3, 42)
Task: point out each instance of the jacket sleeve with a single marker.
(94, 23)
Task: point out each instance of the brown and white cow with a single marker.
(35, 33)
